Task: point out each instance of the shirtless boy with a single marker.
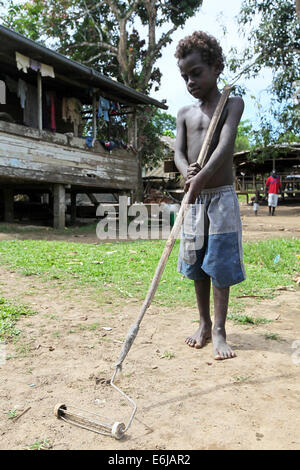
(218, 259)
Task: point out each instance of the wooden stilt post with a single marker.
(59, 206)
(40, 107)
(8, 204)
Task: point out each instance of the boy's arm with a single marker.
(180, 158)
(224, 149)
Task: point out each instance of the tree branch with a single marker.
(94, 57)
(88, 13)
(150, 60)
(114, 8)
(165, 38)
(103, 45)
(131, 9)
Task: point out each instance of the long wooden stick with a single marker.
(202, 159)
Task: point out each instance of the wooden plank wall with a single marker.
(28, 154)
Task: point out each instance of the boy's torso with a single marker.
(197, 122)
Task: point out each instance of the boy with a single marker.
(218, 256)
(255, 200)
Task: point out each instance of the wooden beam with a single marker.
(59, 206)
(39, 100)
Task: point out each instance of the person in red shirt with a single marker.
(273, 186)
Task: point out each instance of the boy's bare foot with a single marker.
(221, 348)
(200, 338)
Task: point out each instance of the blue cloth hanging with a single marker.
(89, 141)
(103, 108)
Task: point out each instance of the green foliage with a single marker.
(27, 21)
(164, 123)
(155, 123)
(244, 136)
(273, 42)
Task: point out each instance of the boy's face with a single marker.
(200, 77)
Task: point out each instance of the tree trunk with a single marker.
(298, 9)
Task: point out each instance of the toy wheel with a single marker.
(58, 409)
(118, 430)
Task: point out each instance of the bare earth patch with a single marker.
(186, 399)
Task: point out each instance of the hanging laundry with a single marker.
(89, 141)
(103, 108)
(64, 108)
(2, 92)
(34, 65)
(115, 107)
(22, 62)
(31, 106)
(71, 110)
(21, 92)
(11, 84)
(47, 71)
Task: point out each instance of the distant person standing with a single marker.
(273, 186)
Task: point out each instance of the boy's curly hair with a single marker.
(207, 45)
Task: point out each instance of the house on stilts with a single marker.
(47, 103)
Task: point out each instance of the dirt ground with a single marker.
(185, 399)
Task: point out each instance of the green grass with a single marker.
(273, 336)
(9, 314)
(11, 414)
(40, 445)
(246, 319)
(125, 269)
